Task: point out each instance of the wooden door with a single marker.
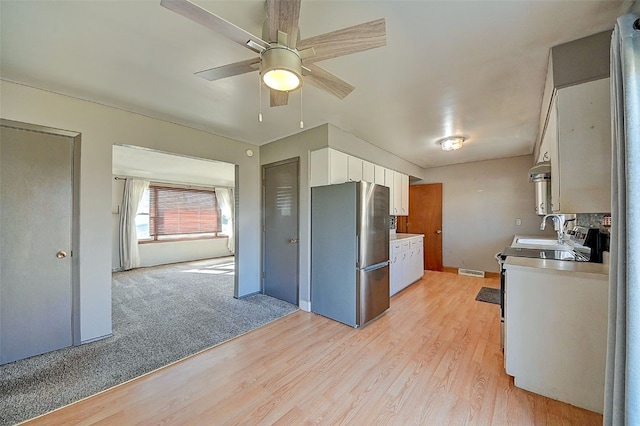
(425, 217)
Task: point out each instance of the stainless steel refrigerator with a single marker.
(350, 251)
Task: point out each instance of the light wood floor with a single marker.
(433, 359)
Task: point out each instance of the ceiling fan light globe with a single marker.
(282, 80)
(281, 68)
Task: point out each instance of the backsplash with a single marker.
(392, 222)
(590, 220)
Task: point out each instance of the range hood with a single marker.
(540, 175)
(541, 171)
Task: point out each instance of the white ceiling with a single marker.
(156, 166)
(474, 68)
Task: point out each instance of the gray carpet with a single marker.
(160, 315)
(489, 295)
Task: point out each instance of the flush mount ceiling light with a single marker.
(281, 68)
(451, 143)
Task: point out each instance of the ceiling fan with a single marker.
(285, 60)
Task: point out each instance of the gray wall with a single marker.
(480, 204)
(101, 127)
(300, 146)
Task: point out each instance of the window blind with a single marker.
(182, 211)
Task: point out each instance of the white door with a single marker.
(36, 200)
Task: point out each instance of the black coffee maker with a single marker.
(598, 242)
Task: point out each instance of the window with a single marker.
(167, 213)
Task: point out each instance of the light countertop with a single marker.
(560, 266)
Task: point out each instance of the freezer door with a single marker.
(372, 224)
(373, 297)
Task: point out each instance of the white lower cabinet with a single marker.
(556, 329)
(395, 267)
(406, 261)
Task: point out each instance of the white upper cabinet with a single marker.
(379, 175)
(368, 172)
(328, 167)
(354, 169)
(400, 197)
(404, 195)
(389, 183)
(338, 166)
(580, 148)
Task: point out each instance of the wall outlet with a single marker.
(518, 222)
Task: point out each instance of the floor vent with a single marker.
(471, 273)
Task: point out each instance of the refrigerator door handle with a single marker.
(357, 251)
(376, 266)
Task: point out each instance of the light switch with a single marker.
(518, 222)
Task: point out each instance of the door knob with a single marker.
(293, 241)
(439, 231)
(61, 254)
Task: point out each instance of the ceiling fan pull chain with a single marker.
(260, 99)
(301, 122)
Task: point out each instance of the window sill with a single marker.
(173, 240)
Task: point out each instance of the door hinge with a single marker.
(264, 275)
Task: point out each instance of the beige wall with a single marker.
(101, 127)
(480, 204)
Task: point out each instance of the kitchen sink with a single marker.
(545, 254)
(538, 241)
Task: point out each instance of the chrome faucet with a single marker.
(558, 226)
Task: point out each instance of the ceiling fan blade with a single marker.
(215, 23)
(278, 98)
(346, 41)
(230, 70)
(283, 16)
(326, 81)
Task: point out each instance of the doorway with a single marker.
(39, 174)
(425, 217)
(179, 183)
(280, 270)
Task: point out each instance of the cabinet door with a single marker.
(379, 175)
(354, 169)
(584, 147)
(319, 165)
(404, 195)
(395, 267)
(404, 263)
(338, 167)
(551, 135)
(388, 181)
(397, 194)
(368, 172)
(417, 260)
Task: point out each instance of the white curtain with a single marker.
(226, 202)
(133, 191)
(622, 387)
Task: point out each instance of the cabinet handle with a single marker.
(439, 231)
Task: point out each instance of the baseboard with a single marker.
(450, 269)
(95, 339)
(305, 305)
